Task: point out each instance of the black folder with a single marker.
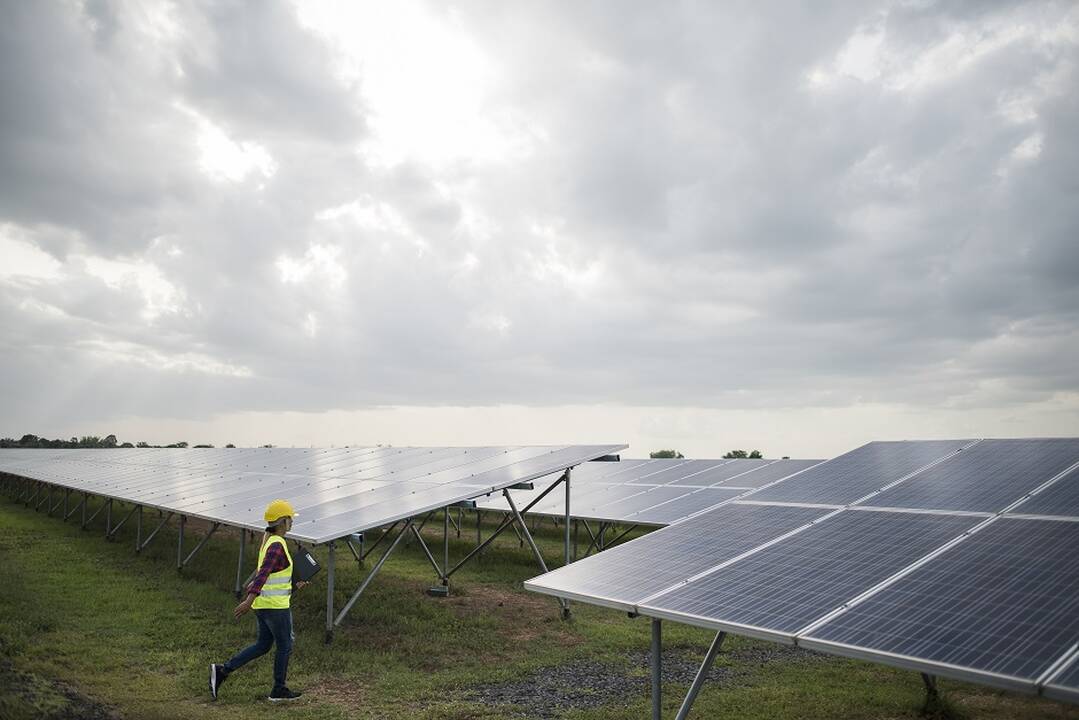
(304, 565)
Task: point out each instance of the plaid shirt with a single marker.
(274, 561)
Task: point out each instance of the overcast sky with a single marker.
(793, 227)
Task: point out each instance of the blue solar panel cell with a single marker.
(785, 587)
(1061, 498)
(854, 475)
(1003, 601)
(986, 477)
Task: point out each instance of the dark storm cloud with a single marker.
(710, 210)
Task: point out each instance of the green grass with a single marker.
(85, 620)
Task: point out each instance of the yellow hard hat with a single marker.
(277, 510)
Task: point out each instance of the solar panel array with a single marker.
(654, 492)
(957, 558)
(336, 491)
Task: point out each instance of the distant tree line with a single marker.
(86, 441)
(675, 455)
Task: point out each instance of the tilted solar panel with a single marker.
(986, 477)
(785, 587)
(336, 491)
(854, 475)
(623, 575)
(1061, 498)
(1004, 602)
(684, 506)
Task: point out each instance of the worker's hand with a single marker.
(300, 584)
(243, 607)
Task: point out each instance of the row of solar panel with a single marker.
(985, 595)
(653, 492)
(336, 492)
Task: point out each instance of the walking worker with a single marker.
(268, 595)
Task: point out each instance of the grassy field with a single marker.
(89, 629)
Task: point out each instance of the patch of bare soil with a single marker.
(338, 691)
(521, 617)
(25, 695)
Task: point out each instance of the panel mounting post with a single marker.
(566, 529)
(657, 669)
(138, 530)
(329, 591)
(180, 545)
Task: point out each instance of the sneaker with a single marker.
(217, 676)
(283, 693)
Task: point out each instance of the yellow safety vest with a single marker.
(278, 588)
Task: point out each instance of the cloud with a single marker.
(222, 208)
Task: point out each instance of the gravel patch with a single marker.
(552, 691)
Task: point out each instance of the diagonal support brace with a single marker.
(371, 575)
(154, 532)
(702, 674)
(213, 529)
(117, 526)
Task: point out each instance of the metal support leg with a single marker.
(657, 669)
(138, 530)
(442, 589)
(932, 694)
(460, 519)
(180, 545)
(371, 575)
(576, 527)
(446, 549)
(85, 497)
(108, 518)
(355, 553)
(329, 592)
(240, 564)
(479, 529)
(502, 526)
(532, 544)
(702, 674)
(566, 529)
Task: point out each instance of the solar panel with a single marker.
(1061, 498)
(1004, 601)
(770, 473)
(335, 491)
(733, 472)
(623, 575)
(687, 473)
(633, 504)
(684, 506)
(986, 477)
(854, 475)
(785, 587)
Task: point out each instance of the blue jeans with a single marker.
(275, 626)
